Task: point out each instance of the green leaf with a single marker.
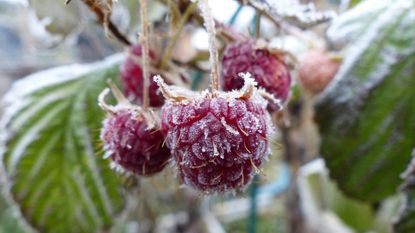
(56, 173)
(367, 115)
(406, 221)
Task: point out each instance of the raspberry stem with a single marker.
(213, 49)
(145, 52)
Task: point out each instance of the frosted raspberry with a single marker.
(132, 145)
(316, 70)
(132, 79)
(268, 69)
(131, 137)
(218, 142)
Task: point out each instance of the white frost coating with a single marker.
(15, 100)
(83, 132)
(303, 13)
(87, 199)
(411, 167)
(43, 155)
(352, 22)
(31, 133)
(357, 51)
(57, 75)
(21, 119)
(40, 189)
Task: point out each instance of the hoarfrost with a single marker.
(348, 89)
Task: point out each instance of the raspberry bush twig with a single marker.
(145, 53)
(103, 12)
(213, 49)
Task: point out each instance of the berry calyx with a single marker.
(316, 70)
(132, 139)
(218, 141)
(132, 79)
(267, 68)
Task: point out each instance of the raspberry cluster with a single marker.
(217, 140)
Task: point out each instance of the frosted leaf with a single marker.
(353, 23)
(301, 15)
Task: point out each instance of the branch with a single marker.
(104, 18)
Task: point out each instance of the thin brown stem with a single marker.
(170, 47)
(257, 24)
(103, 18)
(145, 52)
(213, 49)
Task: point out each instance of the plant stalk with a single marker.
(213, 49)
(145, 53)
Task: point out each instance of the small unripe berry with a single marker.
(267, 68)
(316, 70)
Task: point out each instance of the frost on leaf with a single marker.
(48, 149)
(301, 15)
(365, 115)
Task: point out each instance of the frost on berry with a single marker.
(268, 69)
(218, 142)
(316, 70)
(132, 139)
(133, 80)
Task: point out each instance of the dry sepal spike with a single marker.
(218, 140)
(132, 137)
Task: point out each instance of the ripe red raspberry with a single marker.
(218, 142)
(132, 79)
(316, 70)
(267, 68)
(131, 138)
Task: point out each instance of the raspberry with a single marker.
(268, 69)
(218, 142)
(132, 79)
(131, 138)
(316, 70)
